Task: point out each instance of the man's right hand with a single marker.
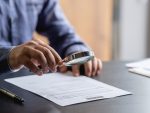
(32, 55)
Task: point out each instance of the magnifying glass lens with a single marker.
(81, 60)
(78, 58)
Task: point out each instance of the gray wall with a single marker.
(148, 38)
(132, 30)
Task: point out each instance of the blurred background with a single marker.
(114, 29)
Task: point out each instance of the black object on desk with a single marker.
(11, 95)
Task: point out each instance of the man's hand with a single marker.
(92, 68)
(32, 55)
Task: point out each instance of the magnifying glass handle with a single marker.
(82, 70)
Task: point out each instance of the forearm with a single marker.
(53, 24)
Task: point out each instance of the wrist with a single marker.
(13, 61)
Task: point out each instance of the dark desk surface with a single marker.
(114, 73)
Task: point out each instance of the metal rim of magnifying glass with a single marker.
(79, 55)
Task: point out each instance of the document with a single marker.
(65, 89)
(140, 67)
(139, 64)
(141, 71)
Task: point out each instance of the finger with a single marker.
(35, 62)
(99, 67)
(94, 66)
(49, 56)
(37, 55)
(28, 63)
(56, 55)
(88, 68)
(75, 70)
(62, 69)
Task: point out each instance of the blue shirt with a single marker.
(20, 18)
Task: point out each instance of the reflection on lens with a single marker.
(79, 60)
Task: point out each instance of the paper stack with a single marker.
(140, 67)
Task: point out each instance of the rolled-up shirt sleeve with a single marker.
(4, 54)
(53, 24)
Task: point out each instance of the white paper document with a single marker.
(141, 71)
(140, 67)
(64, 89)
(139, 64)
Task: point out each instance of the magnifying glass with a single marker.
(78, 58)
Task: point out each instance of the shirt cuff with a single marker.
(76, 48)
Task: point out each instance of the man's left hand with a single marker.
(92, 68)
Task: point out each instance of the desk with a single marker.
(114, 73)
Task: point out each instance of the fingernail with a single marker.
(54, 69)
(40, 73)
(88, 74)
(98, 72)
(76, 74)
(93, 73)
(46, 70)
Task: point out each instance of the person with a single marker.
(19, 19)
